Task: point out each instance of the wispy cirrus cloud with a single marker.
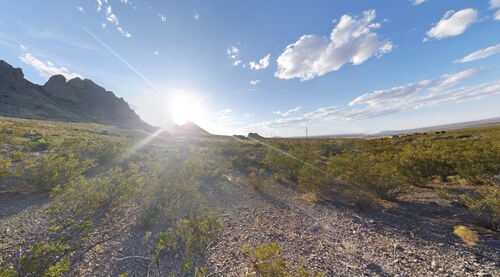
(480, 54)
(409, 97)
(111, 17)
(47, 69)
(353, 40)
(417, 2)
(291, 111)
(452, 24)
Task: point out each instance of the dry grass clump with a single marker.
(468, 236)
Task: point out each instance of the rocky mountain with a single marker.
(73, 100)
(190, 128)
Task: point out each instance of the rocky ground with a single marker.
(415, 239)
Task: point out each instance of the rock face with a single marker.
(254, 135)
(74, 100)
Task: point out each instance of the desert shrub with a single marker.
(48, 171)
(468, 236)
(5, 165)
(17, 156)
(88, 196)
(45, 259)
(377, 174)
(477, 161)
(418, 164)
(313, 179)
(41, 143)
(190, 237)
(286, 159)
(7, 272)
(255, 180)
(198, 231)
(484, 204)
(364, 202)
(268, 260)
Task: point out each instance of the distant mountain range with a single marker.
(74, 100)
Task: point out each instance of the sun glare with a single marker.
(185, 109)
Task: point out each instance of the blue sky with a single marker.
(273, 67)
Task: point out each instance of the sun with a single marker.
(185, 109)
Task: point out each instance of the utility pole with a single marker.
(307, 134)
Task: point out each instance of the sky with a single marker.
(272, 67)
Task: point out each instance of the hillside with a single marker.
(373, 207)
(59, 99)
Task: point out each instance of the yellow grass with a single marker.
(468, 236)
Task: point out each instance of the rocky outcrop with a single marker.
(74, 100)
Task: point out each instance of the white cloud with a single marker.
(123, 32)
(196, 15)
(23, 47)
(156, 53)
(47, 69)
(291, 111)
(234, 54)
(494, 4)
(452, 24)
(352, 40)
(418, 95)
(111, 17)
(254, 82)
(413, 96)
(99, 5)
(262, 64)
(417, 2)
(80, 8)
(162, 17)
(497, 15)
(480, 54)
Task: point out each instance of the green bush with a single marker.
(51, 170)
(374, 173)
(5, 165)
(484, 204)
(8, 273)
(198, 231)
(45, 259)
(268, 260)
(313, 179)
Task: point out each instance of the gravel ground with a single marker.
(22, 221)
(413, 240)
